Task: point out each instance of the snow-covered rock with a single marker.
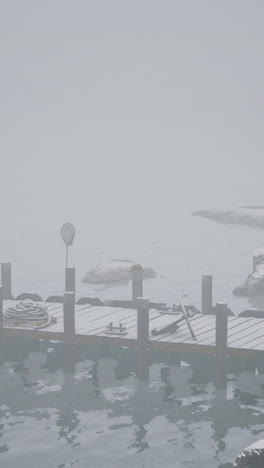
(249, 216)
(114, 271)
(252, 456)
(254, 283)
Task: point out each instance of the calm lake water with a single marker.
(103, 415)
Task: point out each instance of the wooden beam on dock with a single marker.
(137, 282)
(69, 317)
(69, 330)
(70, 279)
(1, 326)
(143, 336)
(221, 329)
(1, 311)
(128, 343)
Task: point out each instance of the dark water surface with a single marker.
(104, 416)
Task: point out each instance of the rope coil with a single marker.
(27, 314)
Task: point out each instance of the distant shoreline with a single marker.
(252, 216)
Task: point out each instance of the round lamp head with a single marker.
(68, 233)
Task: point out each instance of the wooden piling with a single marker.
(1, 327)
(221, 331)
(6, 280)
(143, 337)
(69, 317)
(69, 331)
(1, 311)
(207, 294)
(70, 279)
(137, 282)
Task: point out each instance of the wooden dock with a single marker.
(245, 335)
(212, 331)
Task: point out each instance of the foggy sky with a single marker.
(120, 105)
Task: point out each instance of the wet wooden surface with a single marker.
(244, 333)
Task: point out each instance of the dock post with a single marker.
(221, 330)
(137, 282)
(1, 311)
(207, 294)
(143, 337)
(69, 330)
(70, 279)
(1, 326)
(6, 280)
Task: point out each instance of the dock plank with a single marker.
(245, 335)
(102, 319)
(102, 316)
(253, 340)
(124, 316)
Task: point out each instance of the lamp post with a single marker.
(68, 234)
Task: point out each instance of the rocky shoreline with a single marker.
(248, 216)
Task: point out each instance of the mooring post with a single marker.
(1, 310)
(69, 330)
(143, 336)
(207, 294)
(6, 280)
(137, 282)
(70, 279)
(1, 326)
(221, 331)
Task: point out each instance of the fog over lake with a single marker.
(123, 118)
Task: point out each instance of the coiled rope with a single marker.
(27, 314)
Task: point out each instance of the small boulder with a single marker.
(114, 271)
(256, 313)
(94, 301)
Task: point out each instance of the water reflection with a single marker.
(104, 416)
